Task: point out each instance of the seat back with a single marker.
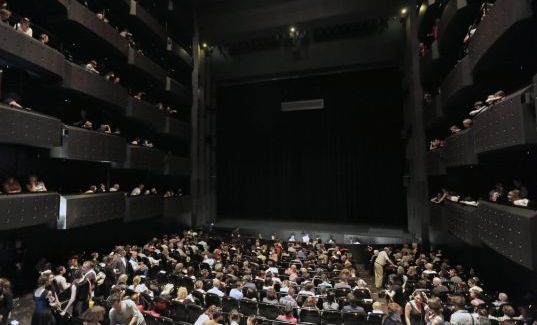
(352, 318)
(310, 315)
(248, 307)
(228, 304)
(269, 311)
(180, 312)
(331, 317)
(212, 299)
(194, 311)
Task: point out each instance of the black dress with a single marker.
(43, 312)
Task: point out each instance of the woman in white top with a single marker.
(24, 27)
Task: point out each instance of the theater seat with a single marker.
(194, 311)
(248, 307)
(228, 304)
(212, 299)
(270, 311)
(180, 312)
(310, 315)
(352, 318)
(331, 317)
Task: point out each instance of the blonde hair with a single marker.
(182, 293)
(136, 280)
(122, 279)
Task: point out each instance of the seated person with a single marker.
(34, 185)
(13, 101)
(467, 123)
(24, 27)
(154, 191)
(91, 66)
(92, 189)
(137, 190)
(4, 16)
(111, 76)
(454, 129)
(435, 144)
(169, 194)
(147, 144)
(11, 186)
(497, 193)
(517, 185)
(139, 95)
(114, 188)
(43, 38)
(440, 197)
(495, 98)
(136, 141)
(101, 188)
(479, 108)
(105, 128)
(102, 16)
(515, 198)
(287, 315)
(353, 306)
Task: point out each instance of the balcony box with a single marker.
(462, 222)
(178, 210)
(177, 92)
(509, 231)
(144, 20)
(146, 67)
(508, 124)
(174, 51)
(25, 210)
(435, 162)
(29, 128)
(145, 112)
(86, 209)
(143, 158)
(175, 128)
(82, 144)
(143, 207)
(80, 81)
(460, 150)
(177, 166)
(30, 54)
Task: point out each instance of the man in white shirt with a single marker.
(236, 293)
(137, 190)
(216, 289)
(92, 67)
(24, 27)
(380, 262)
(60, 279)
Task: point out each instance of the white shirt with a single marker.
(216, 291)
(61, 281)
(382, 258)
(28, 32)
(202, 319)
(136, 191)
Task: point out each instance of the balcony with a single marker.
(178, 210)
(145, 112)
(81, 144)
(509, 231)
(78, 80)
(145, 68)
(460, 150)
(177, 92)
(462, 222)
(457, 16)
(29, 128)
(500, 36)
(458, 88)
(174, 52)
(85, 23)
(432, 112)
(508, 124)
(29, 54)
(175, 128)
(177, 166)
(145, 22)
(25, 210)
(85, 209)
(435, 162)
(143, 207)
(142, 158)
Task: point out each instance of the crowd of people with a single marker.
(516, 196)
(226, 278)
(12, 186)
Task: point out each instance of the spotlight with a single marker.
(204, 45)
(423, 8)
(292, 29)
(404, 11)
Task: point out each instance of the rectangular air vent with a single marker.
(302, 105)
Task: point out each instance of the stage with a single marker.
(341, 233)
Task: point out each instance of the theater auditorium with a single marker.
(268, 162)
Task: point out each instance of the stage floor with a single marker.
(341, 232)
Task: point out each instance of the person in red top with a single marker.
(287, 315)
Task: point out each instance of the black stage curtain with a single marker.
(343, 163)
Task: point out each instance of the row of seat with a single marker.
(509, 124)
(508, 230)
(70, 211)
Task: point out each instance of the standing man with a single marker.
(380, 262)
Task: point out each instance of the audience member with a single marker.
(5, 15)
(137, 190)
(11, 186)
(287, 316)
(124, 311)
(24, 27)
(91, 66)
(35, 185)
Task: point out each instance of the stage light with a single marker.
(292, 29)
(404, 11)
(423, 8)
(204, 45)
